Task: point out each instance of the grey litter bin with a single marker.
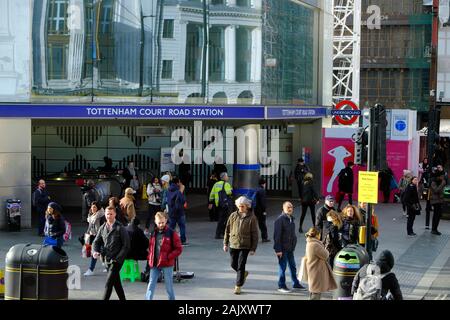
(13, 215)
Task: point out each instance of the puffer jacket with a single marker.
(112, 244)
(241, 233)
(437, 191)
(171, 248)
(95, 221)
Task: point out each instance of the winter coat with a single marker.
(41, 199)
(171, 248)
(95, 221)
(54, 228)
(321, 215)
(437, 191)
(241, 233)
(284, 236)
(346, 180)
(349, 232)
(261, 201)
(300, 171)
(112, 244)
(127, 207)
(175, 201)
(411, 198)
(309, 195)
(320, 276)
(385, 179)
(154, 197)
(389, 283)
(138, 243)
(331, 238)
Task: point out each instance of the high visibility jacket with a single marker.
(214, 195)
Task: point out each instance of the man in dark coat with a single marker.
(386, 177)
(112, 242)
(390, 288)
(436, 200)
(260, 208)
(285, 241)
(40, 201)
(175, 200)
(299, 173)
(321, 214)
(345, 184)
(138, 241)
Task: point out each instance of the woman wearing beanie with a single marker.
(54, 226)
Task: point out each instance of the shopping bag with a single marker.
(302, 271)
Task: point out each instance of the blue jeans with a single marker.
(287, 258)
(181, 220)
(93, 263)
(168, 280)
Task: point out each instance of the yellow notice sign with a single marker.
(368, 187)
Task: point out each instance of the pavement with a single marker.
(422, 263)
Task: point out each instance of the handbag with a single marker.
(302, 271)
(86, 251)
(49, 241)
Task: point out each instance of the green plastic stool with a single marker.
(130, 270)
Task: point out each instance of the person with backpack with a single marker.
(221, 197)
(375, 281)
(96, 218)
(241, 239)
(164, 248)
(260, 208)
(309, 200)
(319, 274)
(285, 241)
(55, 227)
(40, 202)
(345, 185)
(175, 201)
(112, 243)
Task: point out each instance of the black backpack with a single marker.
(224, 199)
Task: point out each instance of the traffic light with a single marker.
(381, 124)
(361, 139)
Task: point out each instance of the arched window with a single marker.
(220, 98)
(245, 97)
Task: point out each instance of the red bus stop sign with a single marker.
(354, 112)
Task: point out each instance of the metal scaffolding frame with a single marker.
(346, 50)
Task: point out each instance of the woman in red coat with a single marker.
(165, 246)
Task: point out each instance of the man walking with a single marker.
(175, 201)
(321, 214)
(221, 196)
(112, 242)
(165, 246)
(437, 199)
(300, 170)
(260, 209)
(41, 199)
(345, 184)
(285, 241)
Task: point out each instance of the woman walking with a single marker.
(309, 200)
(352, 220)
(319, 274)
(412, 204)
(55, 226)
(241, 239)
(331, 234)
(96, 218)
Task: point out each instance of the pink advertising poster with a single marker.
(336, 152)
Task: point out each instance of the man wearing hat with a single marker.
(345, 184)
(127, 204)
(221, 196)
(321, 214)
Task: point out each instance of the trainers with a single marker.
(284, 290)
(435, 232)
(427, 227)
(237, 290)
(105, 270)
(88, 273)
(412, 234)
(185, 244)
(299, 287)
(265, 240)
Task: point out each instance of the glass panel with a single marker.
(243, 54)
(193, 52)
(217, 54)
(167, 69)
(168, 28)
(57, 61)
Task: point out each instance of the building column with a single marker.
(181, 62)
(255, 75)
(231, 3)
(246, 169)
(76, 42)
(230, 54)
(15, 161)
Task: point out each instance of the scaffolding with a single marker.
(346, 50)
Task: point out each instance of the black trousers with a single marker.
(305, 207)
(213, 213)
(300, 188)
(113, 280)
(238, 262)
(410, 221)
(152, 210)
(262, 224)
(427, 213)
(386, 195)
(437, 211)
(222, 222)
